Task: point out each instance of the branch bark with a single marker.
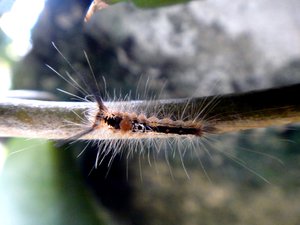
(226, 113)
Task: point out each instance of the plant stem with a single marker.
(226, 113)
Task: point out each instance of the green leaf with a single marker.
(149, 3)
(41, 185)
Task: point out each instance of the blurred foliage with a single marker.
(150, 3)
(40, 185)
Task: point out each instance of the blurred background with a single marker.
(197, 49)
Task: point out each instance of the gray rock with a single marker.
(205, 47)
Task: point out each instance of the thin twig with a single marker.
(227, 113)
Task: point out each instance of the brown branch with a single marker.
(227, 113)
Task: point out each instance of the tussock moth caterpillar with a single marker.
(153, 125)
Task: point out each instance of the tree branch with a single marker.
(227, 113)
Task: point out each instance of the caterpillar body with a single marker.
(152, 127)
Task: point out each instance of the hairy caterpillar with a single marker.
(143, 129)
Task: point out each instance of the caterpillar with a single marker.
(148, 129)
